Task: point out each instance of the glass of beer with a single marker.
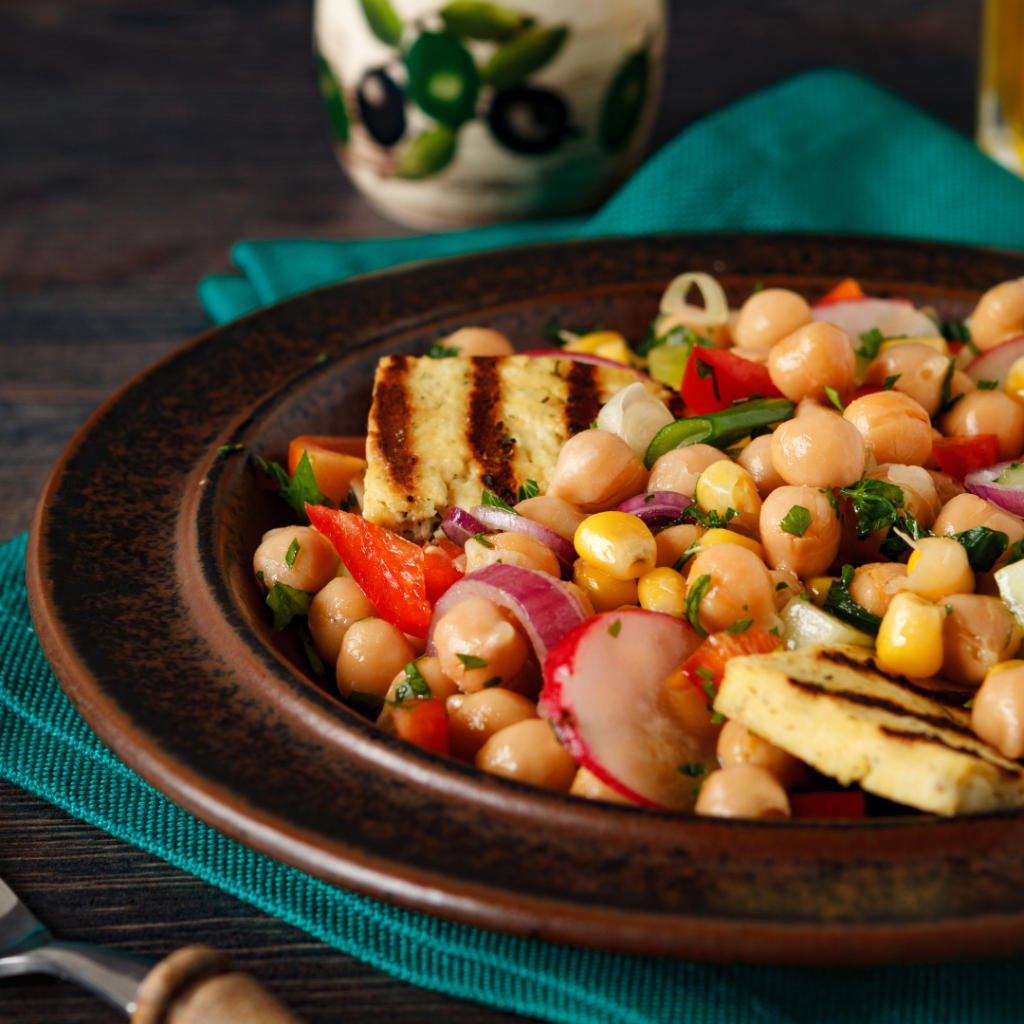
(1001, 90)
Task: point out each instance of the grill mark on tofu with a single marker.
(924, 737)
(583, 402)
(949, 698)
(881, 704)
(488, 440)
(392, 416)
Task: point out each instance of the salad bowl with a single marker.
(143, 597)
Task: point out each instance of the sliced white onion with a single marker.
(893, 317)
(635, 415)
(677, 310)
(545, 607)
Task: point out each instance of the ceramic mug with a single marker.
(457, 114)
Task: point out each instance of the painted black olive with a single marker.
(381, 106)
(528, 120)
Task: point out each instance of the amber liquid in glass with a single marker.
(1001, 91)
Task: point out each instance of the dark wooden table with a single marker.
(138, 140)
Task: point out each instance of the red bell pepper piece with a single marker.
(847, 289)
(959, 456)
(389, 569)
(714, 378)
(423, 722)
(707, 663)
(860, 391)
(439, 568)
(828, 804)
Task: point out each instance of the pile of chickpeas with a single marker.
(938, 616)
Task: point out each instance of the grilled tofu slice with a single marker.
(901, 739)
(442, 430)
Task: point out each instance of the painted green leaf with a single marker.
(443, 78)
(383, 20)
(330, 90)
(474, 19)
(522, 55)
(428, 153)
(624, 101)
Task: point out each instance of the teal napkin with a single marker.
(827, 151)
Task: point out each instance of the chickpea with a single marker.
(674, 542)
(372, 654)
(740, 588)
(554, 513)
(473, 718)
(815, 356)
(743, 791)
(998, 315)
(894, 426)
(756, 459)
(314, 562)
(479, 341)
(767, 317)
(587, 785)
(946, 487)
(528, 752)
(331, 612)
(874, 585)
(441, 688)
(597, 470)
(998, 712)
(512, 549)
(978, 633)
(818, 449)
(738, 745)
(919, 369)
(680, 469)
(988, 412)
(477, 630)
(790, 587)
(811, 552)
(966, 511)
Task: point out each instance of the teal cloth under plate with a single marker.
(827, 151)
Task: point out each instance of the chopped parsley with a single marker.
(876, 504)
(781, 586)
(615, 628)
(1016, 552)
(741, 625)
(707, 684)
(471, 661)
(694, 596)
(796, 521)
(987, 385)
(832, 499)
(226, 450)
(320, 359)
(292, 553)
(368, 704)
(833, 397)
(710, 520)
(481, 538)
(412, 686)
(839, 603)
(490, 499)
(527, 490)
(492, 682)
(984, 546)
(287, 602)
(758, 287)
(957, 330)
(890, 382)
(297, 490)
(870, 343)
(441, 351)
(969, 704)
(692, 770)
(313, 659)
(705, 370)
(948, 399)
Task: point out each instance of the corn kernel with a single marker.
(617, 543)
(605, 593)
(938, 567)
(939, 344)
(817, 587)
(1010, 663)
(1015, 379)
(618, 351)
(725, 485)
(663, 590)
(910, 638)
(589, 342)
(720, 536)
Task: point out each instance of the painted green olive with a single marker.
(383, 20)
(522, 55)
(430, 152)
(528, 120)
(330, 90)
(476, 19)
(381, 106)
(624, 101)
(443, 78)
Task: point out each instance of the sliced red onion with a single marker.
(996, 362)
(459, 525)
(543, 606)
(1009, 497)
(581, 357)
(500, 519)
(656, 508)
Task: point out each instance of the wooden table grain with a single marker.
(138, 140)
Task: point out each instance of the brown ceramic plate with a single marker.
(140, 577)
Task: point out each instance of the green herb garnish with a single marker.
(870, 343)
(711, 520)
(297, 490)
(309, 651)
(876, 504)
(706, 370)
(890, 382)
(781, 586)
(440, 351)
(839, 603)
(947, 402)
(987, 385)
(412, 686)
(528, 489)
(368, 704)
(694, 596)
(471, 661)
(491, 500)
(833, 397)
(984, 546)
(292, 553)
(615, 628)
(492, 682)
(796, 521)
(693, 770)
(741, 625)
(287, 602)
(481, 538)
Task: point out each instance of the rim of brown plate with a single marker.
(140, 595)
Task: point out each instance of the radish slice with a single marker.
(459, 525)
(1009, 497)
(513, 522)
(996, 362)
(581, 357)
(604, 692)
(893, 317)
(545, 608)
(657, 508)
